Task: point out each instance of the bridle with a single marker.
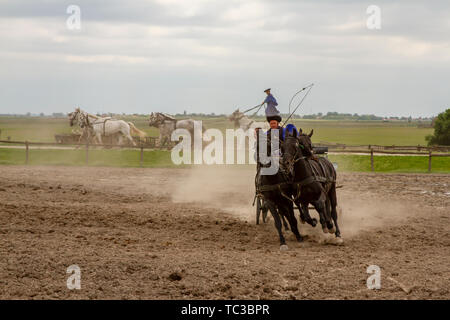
(305, 142)
(85, 122)
(297, 156)
(158, 119)
(155, 121)
(74, 116)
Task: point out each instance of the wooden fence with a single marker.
(417, 148)
(372, 151)
(86, 146)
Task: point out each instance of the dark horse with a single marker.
(306, 185)
(276, 191)
(325, 172)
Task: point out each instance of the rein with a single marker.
(90, 124)
(252, 108)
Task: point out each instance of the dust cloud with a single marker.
(231, 189)
(362, 213)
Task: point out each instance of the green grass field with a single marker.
(411, 164)
(97, 157)
(347, 132)
(365, 132)
(35, 129)
(160, 158)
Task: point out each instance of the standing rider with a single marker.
(274, 119)
(272, 112)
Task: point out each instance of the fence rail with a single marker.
(417, 148)
(27, 145)
(369, 151)
(372, 152)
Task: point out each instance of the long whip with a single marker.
(303, 89)
(307, 92)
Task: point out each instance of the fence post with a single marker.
(429, 161)
(142, 156)
(26, 152)
(87, 152)
(371, 160)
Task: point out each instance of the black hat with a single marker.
(267, 90)
(270, 118)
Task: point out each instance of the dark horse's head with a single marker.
(296, 147)
(305, 140)
(292, 151)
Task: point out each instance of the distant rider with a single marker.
(272, 112)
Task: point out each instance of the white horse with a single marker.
(133, 130)
(167, 124)
(74, 118)
(97, 126)
(243, 122)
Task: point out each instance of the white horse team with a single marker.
(94, 126)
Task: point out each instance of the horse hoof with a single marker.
(332, 230)
(284, 247)
(300, 239)
(339, 241)
(325, 230)
(302, 221)
(314, 222)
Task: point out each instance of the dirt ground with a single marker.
(191, 234)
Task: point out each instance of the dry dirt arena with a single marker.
(191, 234)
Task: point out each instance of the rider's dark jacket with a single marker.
(277, 151)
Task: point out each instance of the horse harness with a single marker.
(316, 177)
(91, 125)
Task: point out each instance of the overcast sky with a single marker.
(214, 56)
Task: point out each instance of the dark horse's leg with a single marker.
(277, 222)
(321, 206)
(286, 226)
(264, 213)
(333, 199)
(289, 211)
(328, 208)
(304, 214)
(258, 209)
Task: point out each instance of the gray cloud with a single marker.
(212, 56)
